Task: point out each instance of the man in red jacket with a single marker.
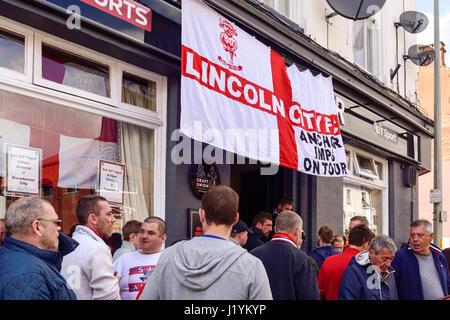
(334, 266)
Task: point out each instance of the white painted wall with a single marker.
(338, 35)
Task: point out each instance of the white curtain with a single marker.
(2, 207)
(139, 95)
(137, 152)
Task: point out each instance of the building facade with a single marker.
(110, 91)
(387, 138)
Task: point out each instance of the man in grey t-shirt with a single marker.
(431, 285)
(420, 268)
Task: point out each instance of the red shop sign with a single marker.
(127, 10)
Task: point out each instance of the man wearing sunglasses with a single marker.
(32, 255)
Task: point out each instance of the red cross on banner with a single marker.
(238, 95)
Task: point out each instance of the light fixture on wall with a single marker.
(412, 22)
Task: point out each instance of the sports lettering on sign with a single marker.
(128, 10)
(232, 83)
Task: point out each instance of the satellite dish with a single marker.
(421, 55)
(356, 9)
(413, 21)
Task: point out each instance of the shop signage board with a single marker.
(111, 179)
(153, 22)
(23, 171)
(123, 18)
(129, 11)
(238, 95)
(360, 121)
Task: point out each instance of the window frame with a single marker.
(362, 173)
(148, 75)
(276, 6)
(7, 73)
(378, 184)
(372, 23)
(73, 50)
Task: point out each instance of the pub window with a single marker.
(367, 44)
(64, 116)
(67, 68)
(282, 6)
(366, 190)
(71, 151)
(12, 51)
(365, 167)
(70, 70)
(138, 91)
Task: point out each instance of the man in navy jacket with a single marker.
(290, 271)
(30, 260)
(421, 271)
(369, 275)
(324, 249)
(259, 232)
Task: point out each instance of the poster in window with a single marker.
(195, 225)
(111, 179)
(23, 171)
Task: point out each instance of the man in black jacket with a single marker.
(258, 233)
(290, 271)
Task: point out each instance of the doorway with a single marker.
(256, 192)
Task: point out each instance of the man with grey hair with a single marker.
(421, 268)
(30, 260)
(290, 271)
(369, 275)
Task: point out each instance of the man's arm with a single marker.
(322, 281)
(103, 283)
(260, 288)
(397, 266)
(306, 287)
(350, 287)
(32, 286)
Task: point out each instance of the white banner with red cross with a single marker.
(238, 95)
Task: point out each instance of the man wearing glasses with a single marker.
(421, 270)
(31, 258)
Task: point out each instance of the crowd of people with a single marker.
(230, 261)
